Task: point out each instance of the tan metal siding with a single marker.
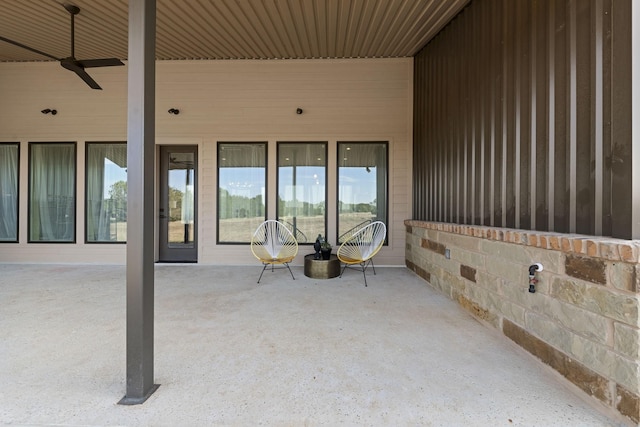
(343, 100)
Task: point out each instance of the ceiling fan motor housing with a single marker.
(71, 8)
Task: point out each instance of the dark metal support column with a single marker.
(140, 214)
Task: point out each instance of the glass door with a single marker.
(178, 204)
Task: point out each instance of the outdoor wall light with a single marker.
(299, 110)
(49, 110)
(174, 111)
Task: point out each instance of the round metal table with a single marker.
(321, 268)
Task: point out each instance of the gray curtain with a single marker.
(52, 192)
(9, 192)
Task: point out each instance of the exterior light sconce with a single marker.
(299, 110)
(49, 111)
(174, 111)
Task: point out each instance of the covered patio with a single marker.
(231, 352)
(511, 138)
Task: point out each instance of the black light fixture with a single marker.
(49, 110)
(299, 110)
(174, 111)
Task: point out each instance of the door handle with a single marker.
(162, 217)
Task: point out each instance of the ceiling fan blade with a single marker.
(24, 46)
(104, 62)
(71, 63)
(75, 66)
(87, 79)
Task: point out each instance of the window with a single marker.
(302, 169)
(362, 185)
(9, 192)
(242, 181)
(106, 192)
(52, 188)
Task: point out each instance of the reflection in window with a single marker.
(106, 197)
(362, 185)
(52, 187)
(242, 178)
(8, 192)
(181, 225)
(302, 188)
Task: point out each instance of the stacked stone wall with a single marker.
(582, 319)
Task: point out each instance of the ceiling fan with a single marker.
(70, 62)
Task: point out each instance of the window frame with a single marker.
(86, 194)
(386, 187)
(17, 239)
(265, 145)
(310, 239)
(74, 144)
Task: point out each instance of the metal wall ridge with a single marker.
(522, 119)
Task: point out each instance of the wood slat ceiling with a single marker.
(230, 29)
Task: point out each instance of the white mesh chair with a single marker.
(362, 246)
(273, 243)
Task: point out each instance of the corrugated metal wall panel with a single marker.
(519, 118)
(623, 194)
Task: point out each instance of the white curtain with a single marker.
(302, 168)
(102, 209)
(52, 192)
(241, 191)
(9, 192)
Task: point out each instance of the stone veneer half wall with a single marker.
(582, 319)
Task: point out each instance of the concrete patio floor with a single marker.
(229, 351)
